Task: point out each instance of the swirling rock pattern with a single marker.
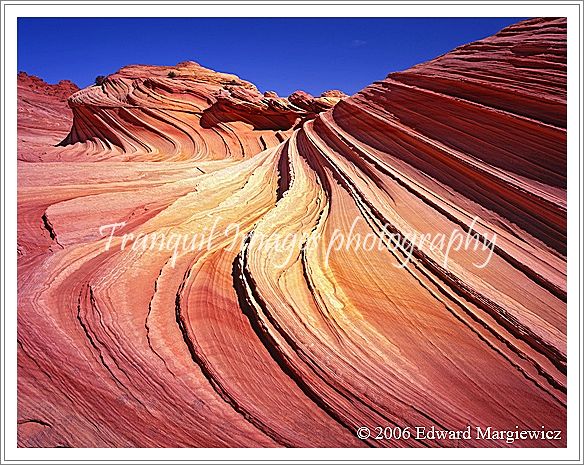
(240, 344)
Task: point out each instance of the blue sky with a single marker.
(281, 54)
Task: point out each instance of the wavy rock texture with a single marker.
(248, 345)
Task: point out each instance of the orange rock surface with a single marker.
(296, 319)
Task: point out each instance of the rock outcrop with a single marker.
(185, 112)
(44, 118)
(349, 319)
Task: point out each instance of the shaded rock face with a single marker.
(300, 345)
(267, 111)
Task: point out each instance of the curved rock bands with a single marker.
(184, 112)
(519, 363)
(375, 217)
(306, 293)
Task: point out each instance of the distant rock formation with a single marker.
(44, 117)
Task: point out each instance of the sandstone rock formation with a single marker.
(155, 113)
(243, 343)
(44, 118)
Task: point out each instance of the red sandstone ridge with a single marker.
(61, 91)
(44, 117)
(240, 344)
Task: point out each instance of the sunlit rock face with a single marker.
(44, 118)
(352, 320)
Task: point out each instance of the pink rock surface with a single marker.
(44, 118)
(239, 344)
